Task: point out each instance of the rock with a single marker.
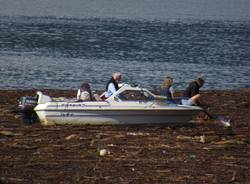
(192, 156)
(202, 139)
(103, 152)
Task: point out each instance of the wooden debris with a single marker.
(9, 133)
(200, 152)
(73, 136)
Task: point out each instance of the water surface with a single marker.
(48, 52)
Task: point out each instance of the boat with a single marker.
(129, 105)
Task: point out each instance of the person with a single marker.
(192, 95)
(84, 93)
(167, 89)
(112, 85)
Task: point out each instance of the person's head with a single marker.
(200, 81)
(117, 76)
(168, 81)
(85, 87)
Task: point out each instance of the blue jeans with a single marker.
(187, 102)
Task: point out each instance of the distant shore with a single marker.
(201, 152)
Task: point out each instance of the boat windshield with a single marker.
(135, 95)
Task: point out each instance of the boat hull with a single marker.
(101, 117)
(128, 105)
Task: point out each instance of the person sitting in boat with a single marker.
(167, 89)
(112, 85)
(192, 95)
(84, 93)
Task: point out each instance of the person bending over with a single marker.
(192, 95)
(112, 85)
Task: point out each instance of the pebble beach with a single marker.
(203, 151)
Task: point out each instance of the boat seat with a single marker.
(97, 97)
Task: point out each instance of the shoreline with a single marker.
(199, 152)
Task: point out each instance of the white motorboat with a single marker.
(129, 105)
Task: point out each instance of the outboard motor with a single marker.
(27, 103)
(26, 107)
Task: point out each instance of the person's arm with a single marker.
(78, 94)
(171, 89)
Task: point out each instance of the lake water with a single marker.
(61, 53)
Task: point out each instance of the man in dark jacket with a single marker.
(112, 85)
(192, 93)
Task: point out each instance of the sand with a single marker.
(200, 152)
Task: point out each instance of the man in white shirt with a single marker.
(112, 85)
